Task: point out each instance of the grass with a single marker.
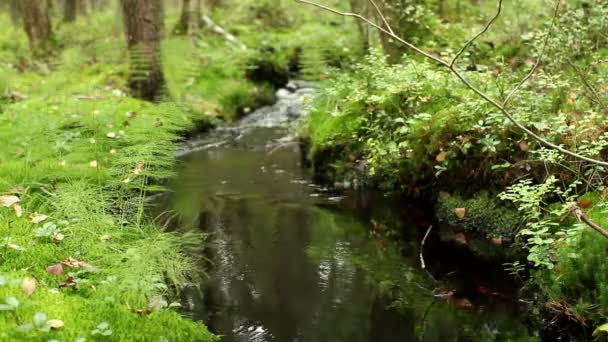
(87, 165)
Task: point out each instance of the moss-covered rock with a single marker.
(483, 223)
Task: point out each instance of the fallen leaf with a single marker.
(497, 240)
(55, 323)
(8, 200)
(76, 263)
(58, 237)
(139, 168)
(462, 303)
(523, 145)
(14, 246)
(56, 269)
(460, 238)
(28, 286)
(18, 210)
(460, 212)
(105, 237)
(585, 203)
(69, 282)
(37, 218)
(142, 312)
(441, 157)
(93, 163)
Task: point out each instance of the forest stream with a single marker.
(288, 260)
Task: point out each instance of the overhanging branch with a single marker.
(450, 65)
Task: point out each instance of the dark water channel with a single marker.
(291, 261)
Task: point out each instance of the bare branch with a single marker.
(466, 46)
(388, 26)
(422, 263)
(381, 29)
(468, 84)
(538, 60)
(582, 217)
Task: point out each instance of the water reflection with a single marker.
(288, 265)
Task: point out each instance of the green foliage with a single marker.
(579, 278)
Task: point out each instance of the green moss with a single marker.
(485, 215)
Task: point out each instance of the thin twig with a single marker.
(422, 263)
(468, 84)
(582, 217)
(478, 34)
(538, 60)
(598, 99)
(388, 26)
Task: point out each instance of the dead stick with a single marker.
(582, 217)
(422, 263)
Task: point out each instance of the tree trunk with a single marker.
(69, 10)
(143, 24)
(190, 19)
(399, 14)
(15, 12)
(83, 7)
(37, 24)
(361, 7)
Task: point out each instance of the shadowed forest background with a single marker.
(276, 170)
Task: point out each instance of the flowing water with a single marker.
(291, 261)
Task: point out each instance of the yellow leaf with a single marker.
(460, 212)
(441, 156)
(55, 323)
(37, 218)
(28, 286)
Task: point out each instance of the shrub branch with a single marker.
(451, 67)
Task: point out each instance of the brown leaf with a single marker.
(56, 269)
(37, 218)
(142, 312)
(28, 286)
(18, 210)
(460, 238)
(523, 145)
(584, 203)
(460, 212)
(8, 200)
(55, 323)
(441, 157)
(68, 282)
(76, 263)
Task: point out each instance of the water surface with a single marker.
(291, 261)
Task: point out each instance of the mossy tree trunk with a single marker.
(69, 10)
(37, 24)
(143, 23)
(190, 18)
